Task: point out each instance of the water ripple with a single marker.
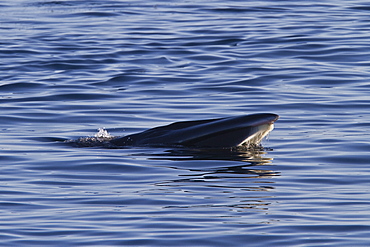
(72, 67)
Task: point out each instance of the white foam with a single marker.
(103, 134)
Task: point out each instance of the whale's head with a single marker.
(246, 131)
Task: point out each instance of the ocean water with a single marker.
(71, 67)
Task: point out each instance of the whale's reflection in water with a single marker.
(237, 179)
(247, 160)
(253, 156)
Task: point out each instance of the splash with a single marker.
(103, 133)
(101, 138)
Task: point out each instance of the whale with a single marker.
(228, 132)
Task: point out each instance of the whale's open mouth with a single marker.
(260, 132)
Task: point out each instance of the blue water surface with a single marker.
(71, 67)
